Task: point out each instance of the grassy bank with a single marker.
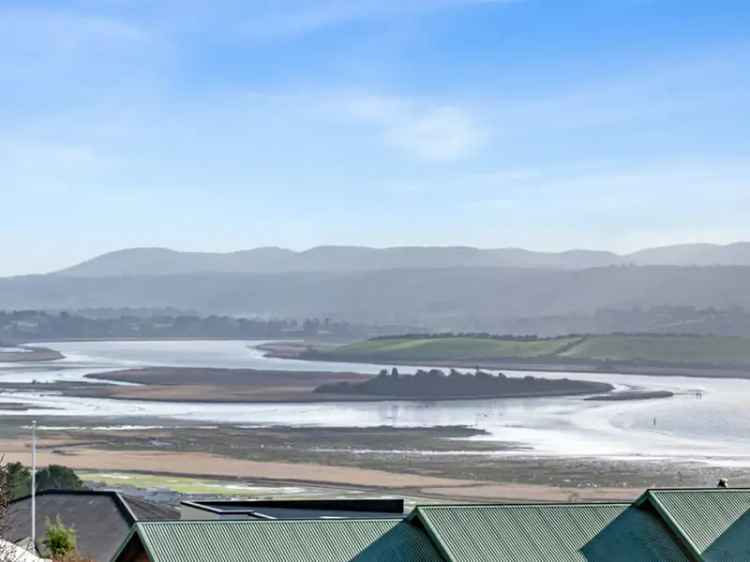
(453, 348)
(663, 349)
(656, 350)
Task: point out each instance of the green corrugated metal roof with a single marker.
(550, 533)
(663, 526)
(715, 522)
(364, 540)
(403, 543)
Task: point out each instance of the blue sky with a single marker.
(224, 125)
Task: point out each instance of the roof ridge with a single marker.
(703, 490)
(519, 505)
(122, 503)
(672, 523)
(64, 491)
(258, 521)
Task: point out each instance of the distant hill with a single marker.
(441, 288)
(694, 254)
(458, 298)
(162, 261)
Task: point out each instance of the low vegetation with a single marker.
(60, 541)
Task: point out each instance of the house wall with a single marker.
(133, 552)
(140, 557)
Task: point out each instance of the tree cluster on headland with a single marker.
(436, 384)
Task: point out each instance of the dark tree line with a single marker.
(15, 480)
(32, 325)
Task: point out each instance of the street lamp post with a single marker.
(33, 483)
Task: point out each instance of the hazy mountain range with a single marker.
(437, 288)
(161, 261)
(453, 298)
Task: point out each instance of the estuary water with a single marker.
(708, 420)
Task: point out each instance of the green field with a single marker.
(453, 349)
(663, 349)
(637, 349)
(229, 488)
(187, 485)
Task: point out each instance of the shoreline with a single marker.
(515, 365)
(248, 386)
(34, 354)
(497, 470)
(291, 349)
(632, 395)
(342, 399)
(161, 338)
(424, 462)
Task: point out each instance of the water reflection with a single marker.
(714, 427)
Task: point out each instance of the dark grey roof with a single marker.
(102, 519)
(302, 509)
(147, 511)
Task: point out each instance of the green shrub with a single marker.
(60, 540)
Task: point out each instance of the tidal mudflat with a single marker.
(539, 447)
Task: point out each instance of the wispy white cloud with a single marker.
(54, 54)
(35, 30)
(661, 89)
(420, 128)
(426, 130)
(36, 155)
(305, 16)
(621, 207)
(37, 167)
(443, 133)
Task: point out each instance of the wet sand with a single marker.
(438, 463)
(207, 465)
(507, 471)
(180, 384)
(32, 354)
